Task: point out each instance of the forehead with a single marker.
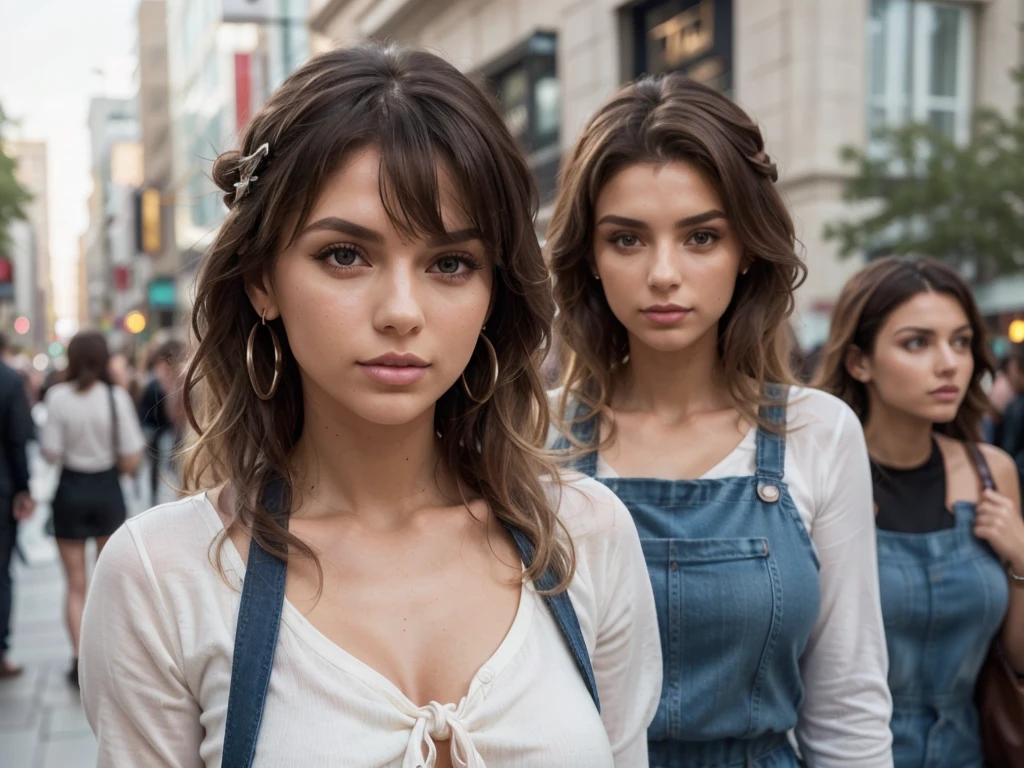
(676, 187)
(930, 310)
(355, 192)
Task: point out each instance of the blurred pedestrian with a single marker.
(907, 351)
(160, 407)
(93, 432)
(675, 267)
(369, 411)
(1009, 430)
(16, 504)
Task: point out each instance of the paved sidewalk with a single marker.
(41, 720)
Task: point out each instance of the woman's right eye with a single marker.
(626, 240)
(914, 344)
(341, 256)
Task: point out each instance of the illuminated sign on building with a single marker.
(690, 36)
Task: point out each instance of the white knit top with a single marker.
(159, 630)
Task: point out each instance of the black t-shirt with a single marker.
(912, 500)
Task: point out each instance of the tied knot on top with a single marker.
(763, 163)
(436, 716)
(440, 722)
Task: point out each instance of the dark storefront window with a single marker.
(526, 85)
(688, 36)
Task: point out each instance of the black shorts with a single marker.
(88, 504)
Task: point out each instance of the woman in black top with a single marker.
(907, 352)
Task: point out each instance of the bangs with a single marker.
(420, 144)
(413, 161)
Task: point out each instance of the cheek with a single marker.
(716, 278)
(898, 375)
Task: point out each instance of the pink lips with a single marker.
(394, 369)
(666, 314)
(946, 394)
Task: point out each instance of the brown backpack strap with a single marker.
(988, 483)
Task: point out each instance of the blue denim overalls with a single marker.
(735, 579)
(259, 618)
(944, 597)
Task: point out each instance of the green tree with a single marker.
(13, 196)
(927, 195)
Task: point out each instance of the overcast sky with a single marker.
(54, 56)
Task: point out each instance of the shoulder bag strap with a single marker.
(565, 615)
(259, 619)
(988, 483)
(115, 438)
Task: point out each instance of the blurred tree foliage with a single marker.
(963, 204)
(13, 196)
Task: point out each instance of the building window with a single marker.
(525, 83)
(920, 66)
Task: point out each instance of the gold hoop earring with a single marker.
(278, 360)
(493, 363)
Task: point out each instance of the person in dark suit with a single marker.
(16, 504)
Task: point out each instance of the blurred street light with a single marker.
(1016, 332)
(22, 326)
(135, 322)
(40, 362)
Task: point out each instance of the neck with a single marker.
(676, 383)
(896, 438)
(343, 463)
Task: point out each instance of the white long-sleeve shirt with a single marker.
(159, 629)
(844, 722)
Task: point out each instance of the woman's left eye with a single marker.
(448, 265)
(454, 265)
(703, 238)
(964, 342)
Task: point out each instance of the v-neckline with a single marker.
(338, 657)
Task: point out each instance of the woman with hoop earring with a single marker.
(381, 566)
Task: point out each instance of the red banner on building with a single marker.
(243, 89)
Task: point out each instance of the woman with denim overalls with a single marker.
(907, 352)
(674, 265)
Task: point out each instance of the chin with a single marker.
(668, 339)
(941, 413)
(391, 409)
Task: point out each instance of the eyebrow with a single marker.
(931, 331)
(689, 221)
(345, 227)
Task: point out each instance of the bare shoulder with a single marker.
(587, 508)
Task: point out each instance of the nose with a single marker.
(948, 359)
(398, 309)
(664, 275)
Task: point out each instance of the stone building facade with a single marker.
(816, 74)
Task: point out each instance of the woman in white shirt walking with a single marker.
(92, 431)
(674, 265)
(418, 586)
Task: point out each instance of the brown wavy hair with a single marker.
(420, 112)
(660, 120)
(866, 302)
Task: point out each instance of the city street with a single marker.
(41, 720)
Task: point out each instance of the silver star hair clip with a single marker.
(248, 166)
